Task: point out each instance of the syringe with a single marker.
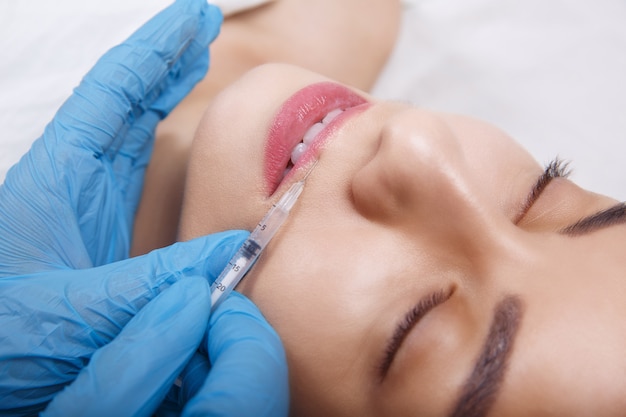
(250, 250)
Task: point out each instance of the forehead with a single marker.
(569, 352)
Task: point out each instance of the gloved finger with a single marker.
(249, 369)
(150, 72)
(193, 376)
(189, 382)
(118, 291)
(132, 374)
(86, 309)
(71, 199)
(190, 67)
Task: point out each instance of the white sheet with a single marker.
(550, 72)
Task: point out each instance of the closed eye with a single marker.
(604, 218)
(410, 320)
(557, 168)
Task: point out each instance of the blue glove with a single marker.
(66, 212)
(52, 322)
(131, 374)
(71, 200)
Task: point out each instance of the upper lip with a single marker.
(295, 117)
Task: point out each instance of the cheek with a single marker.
(326, 284)
(323, 297)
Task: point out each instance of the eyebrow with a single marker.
(481, 388)
(609, 217)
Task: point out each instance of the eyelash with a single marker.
(557, 168)
(410, 319)
(605, 218)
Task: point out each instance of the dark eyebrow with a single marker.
(604, 218)
(481, 388)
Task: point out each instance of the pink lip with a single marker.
(295, 117)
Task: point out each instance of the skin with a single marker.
(321, 35)
(406, 201)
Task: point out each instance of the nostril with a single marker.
(417, 170)
(375, 191)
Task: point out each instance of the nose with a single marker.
(419, 179)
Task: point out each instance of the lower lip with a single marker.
(295, 117)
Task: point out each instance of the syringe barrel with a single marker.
(238, 266)
(277, 215)
(247, 254)
(268, 227)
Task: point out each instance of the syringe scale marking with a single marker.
(247, 254)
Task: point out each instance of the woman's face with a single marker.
(427, 268)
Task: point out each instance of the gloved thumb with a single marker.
(248, 375)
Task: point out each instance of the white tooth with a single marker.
(297, 152)
(331, 116)
(312, 132)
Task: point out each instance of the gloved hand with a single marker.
(66, 212)
(71, 200)
(52, 322)
(129, 376)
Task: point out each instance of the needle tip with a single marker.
(310, 170)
